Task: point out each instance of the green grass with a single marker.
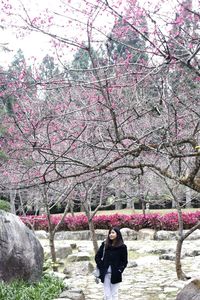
(47, 289)
(139, 211)
(134, 255)
(136, 211)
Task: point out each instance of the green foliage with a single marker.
(18, 61)
(3, 130)
(81, 59)
(28, 162)
(119, 45)
(48, 288)
(9, 105)
(48, 264)
(18, 71)
(48, 68)
(4, 205)
(3, 156)
(84, 59)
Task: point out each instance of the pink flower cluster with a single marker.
(135, 221)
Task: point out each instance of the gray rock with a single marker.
(146, 234)
(129, 234)
(73, 245)
(67, 272)
(83, 268)
(59, 275)
(85, 248)
(165, 235)
(101, 234)
(90, 267)
(167, 257)
(80, 235)
(132, 264)
(66, 298)
(193, 253)
(41, 234)
(194, 236)
(21, 254)
(191, 291)
(63, 252)
(160, 251)
(73, 294)
(80, 256)
(62, 299)
(73, 235)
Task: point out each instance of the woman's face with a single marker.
(112, 235)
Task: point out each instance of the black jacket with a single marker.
(116, 257)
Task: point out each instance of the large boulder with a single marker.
(21, 254)
(191, 291)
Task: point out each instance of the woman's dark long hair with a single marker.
(117, 242)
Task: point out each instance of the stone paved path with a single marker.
(151, 279)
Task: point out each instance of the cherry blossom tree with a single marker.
(92, 195)
(120, 99)
(133, 104)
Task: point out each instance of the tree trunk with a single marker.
(93, 235)
(51, 241)
(181, 237)
(173, 204)
(71, 207)
(188, 199)
(12, 201)
(143, 207)
(53, 251)
(118, 203)
(179, 272)
(130, 204)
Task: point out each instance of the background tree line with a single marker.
(122, 115)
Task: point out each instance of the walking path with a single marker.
(151, 279)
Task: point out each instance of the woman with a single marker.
(111, 259)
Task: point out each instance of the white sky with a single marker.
(32, 45)
(36, 44)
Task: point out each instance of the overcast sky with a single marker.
(36, 44)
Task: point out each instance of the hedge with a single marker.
(135, 221)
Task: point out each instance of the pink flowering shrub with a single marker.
(79, 222)
(135, 221)
(104, 221)
(190, 219)
(152, 221)
(169, 221)
(37, 222)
